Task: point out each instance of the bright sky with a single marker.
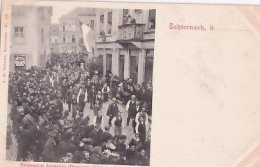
(58, 11)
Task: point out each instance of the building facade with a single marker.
(71, 40)
(125, 42)
(30, 39)
(54, 38)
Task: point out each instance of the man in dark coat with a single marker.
(92, 96)
(39, 134)
(67, 145)
(50, 153)
(69, 97)
(120, 146)
(131, 154)
(142, 159)
(24, 142)
(112, 110)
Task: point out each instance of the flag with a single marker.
(88, 37)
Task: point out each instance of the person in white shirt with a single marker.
(143, 114)
(118, 124)
(131, 109)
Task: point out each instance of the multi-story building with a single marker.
(54, 38)
(71, 40)
(30, 41)
(125, 42)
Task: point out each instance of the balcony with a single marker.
(128, 33)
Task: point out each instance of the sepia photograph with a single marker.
(80, 86)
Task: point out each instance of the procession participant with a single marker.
(142, 158)
(64, 87)
(120, 146)
(96, 133)
(96, 108)
(118, 124)
(141, 129)
(136, 141)
(131, 109)
(99, 97)
(112, 110)
(114, 85)
(105, 92)
(98, 119)
(88, 144)
(24, 140)
(92, 96)
(99, 85)
(143, 114)
(131, 154)
(138, 109)
(105, 136)
(80, 119)
(48, 79)
(66, 145)
(86, 159)
(39, 138)
(82, 98)
(78, 155)
(59, 105)
(74, 104)
(69, 95)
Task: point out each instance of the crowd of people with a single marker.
(51, 123)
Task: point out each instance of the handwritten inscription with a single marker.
(180, 27)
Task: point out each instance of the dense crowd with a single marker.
(51, 124)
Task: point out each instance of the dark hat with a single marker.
(132, 143)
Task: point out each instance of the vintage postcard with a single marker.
(87, 84)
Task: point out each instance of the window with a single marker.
(73, 38)
(18, 32)
(109, 23)
(63, 27)
(125, 12)
(101, 25)
(101, 19)
(92, 24)
(125, 16)
(151, 19)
